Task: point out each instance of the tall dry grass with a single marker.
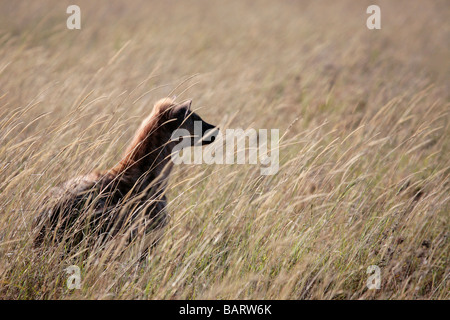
(364, 158)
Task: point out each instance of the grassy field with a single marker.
(364, 154)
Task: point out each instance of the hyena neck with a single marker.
(147, 159)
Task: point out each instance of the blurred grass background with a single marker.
(364, 161)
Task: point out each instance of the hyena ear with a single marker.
(183, 110)
(187, 106)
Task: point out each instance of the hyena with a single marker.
(129, 198)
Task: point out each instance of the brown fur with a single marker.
(129, 198)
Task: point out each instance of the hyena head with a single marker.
(188, 126)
